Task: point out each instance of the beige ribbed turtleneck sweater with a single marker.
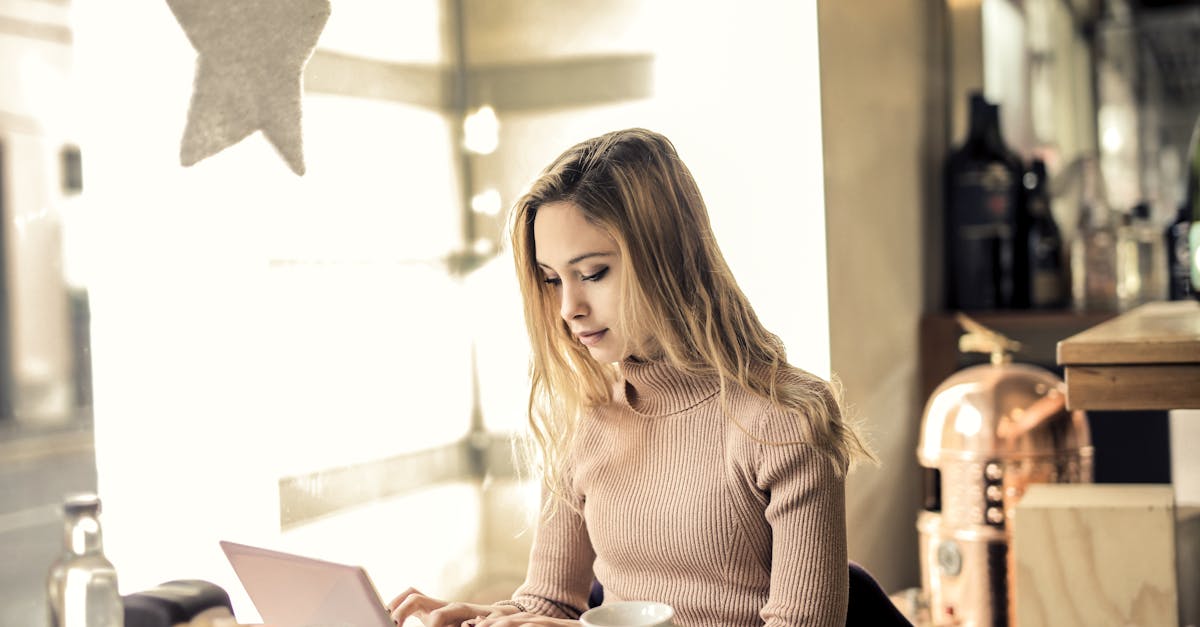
(679, 506)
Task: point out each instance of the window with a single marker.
(333, 364)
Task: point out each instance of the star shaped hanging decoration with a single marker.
(250, 57)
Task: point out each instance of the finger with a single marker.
(400, 598)
(417, 605)
(489, 619)
(451, 615)
(500, 611)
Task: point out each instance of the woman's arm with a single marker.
(560, 567)
(556, 587)
(807, 513)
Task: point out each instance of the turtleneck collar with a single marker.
(656, 388)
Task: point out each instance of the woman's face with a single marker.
(582, 265)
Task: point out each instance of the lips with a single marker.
(592, 338)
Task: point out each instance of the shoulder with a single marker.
(788, 404)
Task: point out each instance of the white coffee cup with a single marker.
(629, 614)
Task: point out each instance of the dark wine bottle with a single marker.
(1043, 243)
(985, 248)
(1179, 256)
(1179, 284)
(1193, 203)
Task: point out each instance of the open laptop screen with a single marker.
(294, 591)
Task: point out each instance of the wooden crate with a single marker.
(1095, 555)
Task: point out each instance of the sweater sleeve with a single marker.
(560, 567)
(806, 510)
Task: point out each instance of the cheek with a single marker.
(609, 300)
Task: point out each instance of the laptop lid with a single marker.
(294, 591)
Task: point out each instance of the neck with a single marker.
(657, 388)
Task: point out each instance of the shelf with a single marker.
(1038, 331)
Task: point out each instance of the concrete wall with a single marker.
(883, 127)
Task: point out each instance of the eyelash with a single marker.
(599, 274)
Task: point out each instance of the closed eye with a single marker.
(595, 277)
(552, 281)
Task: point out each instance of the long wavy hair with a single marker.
(676, 289)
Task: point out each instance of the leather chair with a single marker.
(869, 604)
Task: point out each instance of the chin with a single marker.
(604, 356)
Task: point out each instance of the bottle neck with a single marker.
(82, 536)
(1084, 221)
(1092, 192)
(985, 127)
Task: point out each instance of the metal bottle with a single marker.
(987, 432)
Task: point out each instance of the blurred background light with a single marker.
(486, 202)
(481, 131)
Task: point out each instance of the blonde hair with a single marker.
(676, 289)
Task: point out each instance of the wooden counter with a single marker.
(1147, 358)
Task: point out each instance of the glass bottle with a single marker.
(1183, 269)
(985, 254)
(1178, 257)
(1044, 245)
(1094, 249)
(1194, 251)
(81, 588)
(1193, 201)
(1141, 261)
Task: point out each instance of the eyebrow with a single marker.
(576, 260)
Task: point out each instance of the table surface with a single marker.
(1165, 332)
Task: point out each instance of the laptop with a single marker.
(294, 591)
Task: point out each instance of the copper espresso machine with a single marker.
(987, 432)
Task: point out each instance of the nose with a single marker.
(574, 301)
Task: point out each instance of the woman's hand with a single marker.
(522, 620)
(437, 613)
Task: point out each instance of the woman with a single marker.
(683, 459)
